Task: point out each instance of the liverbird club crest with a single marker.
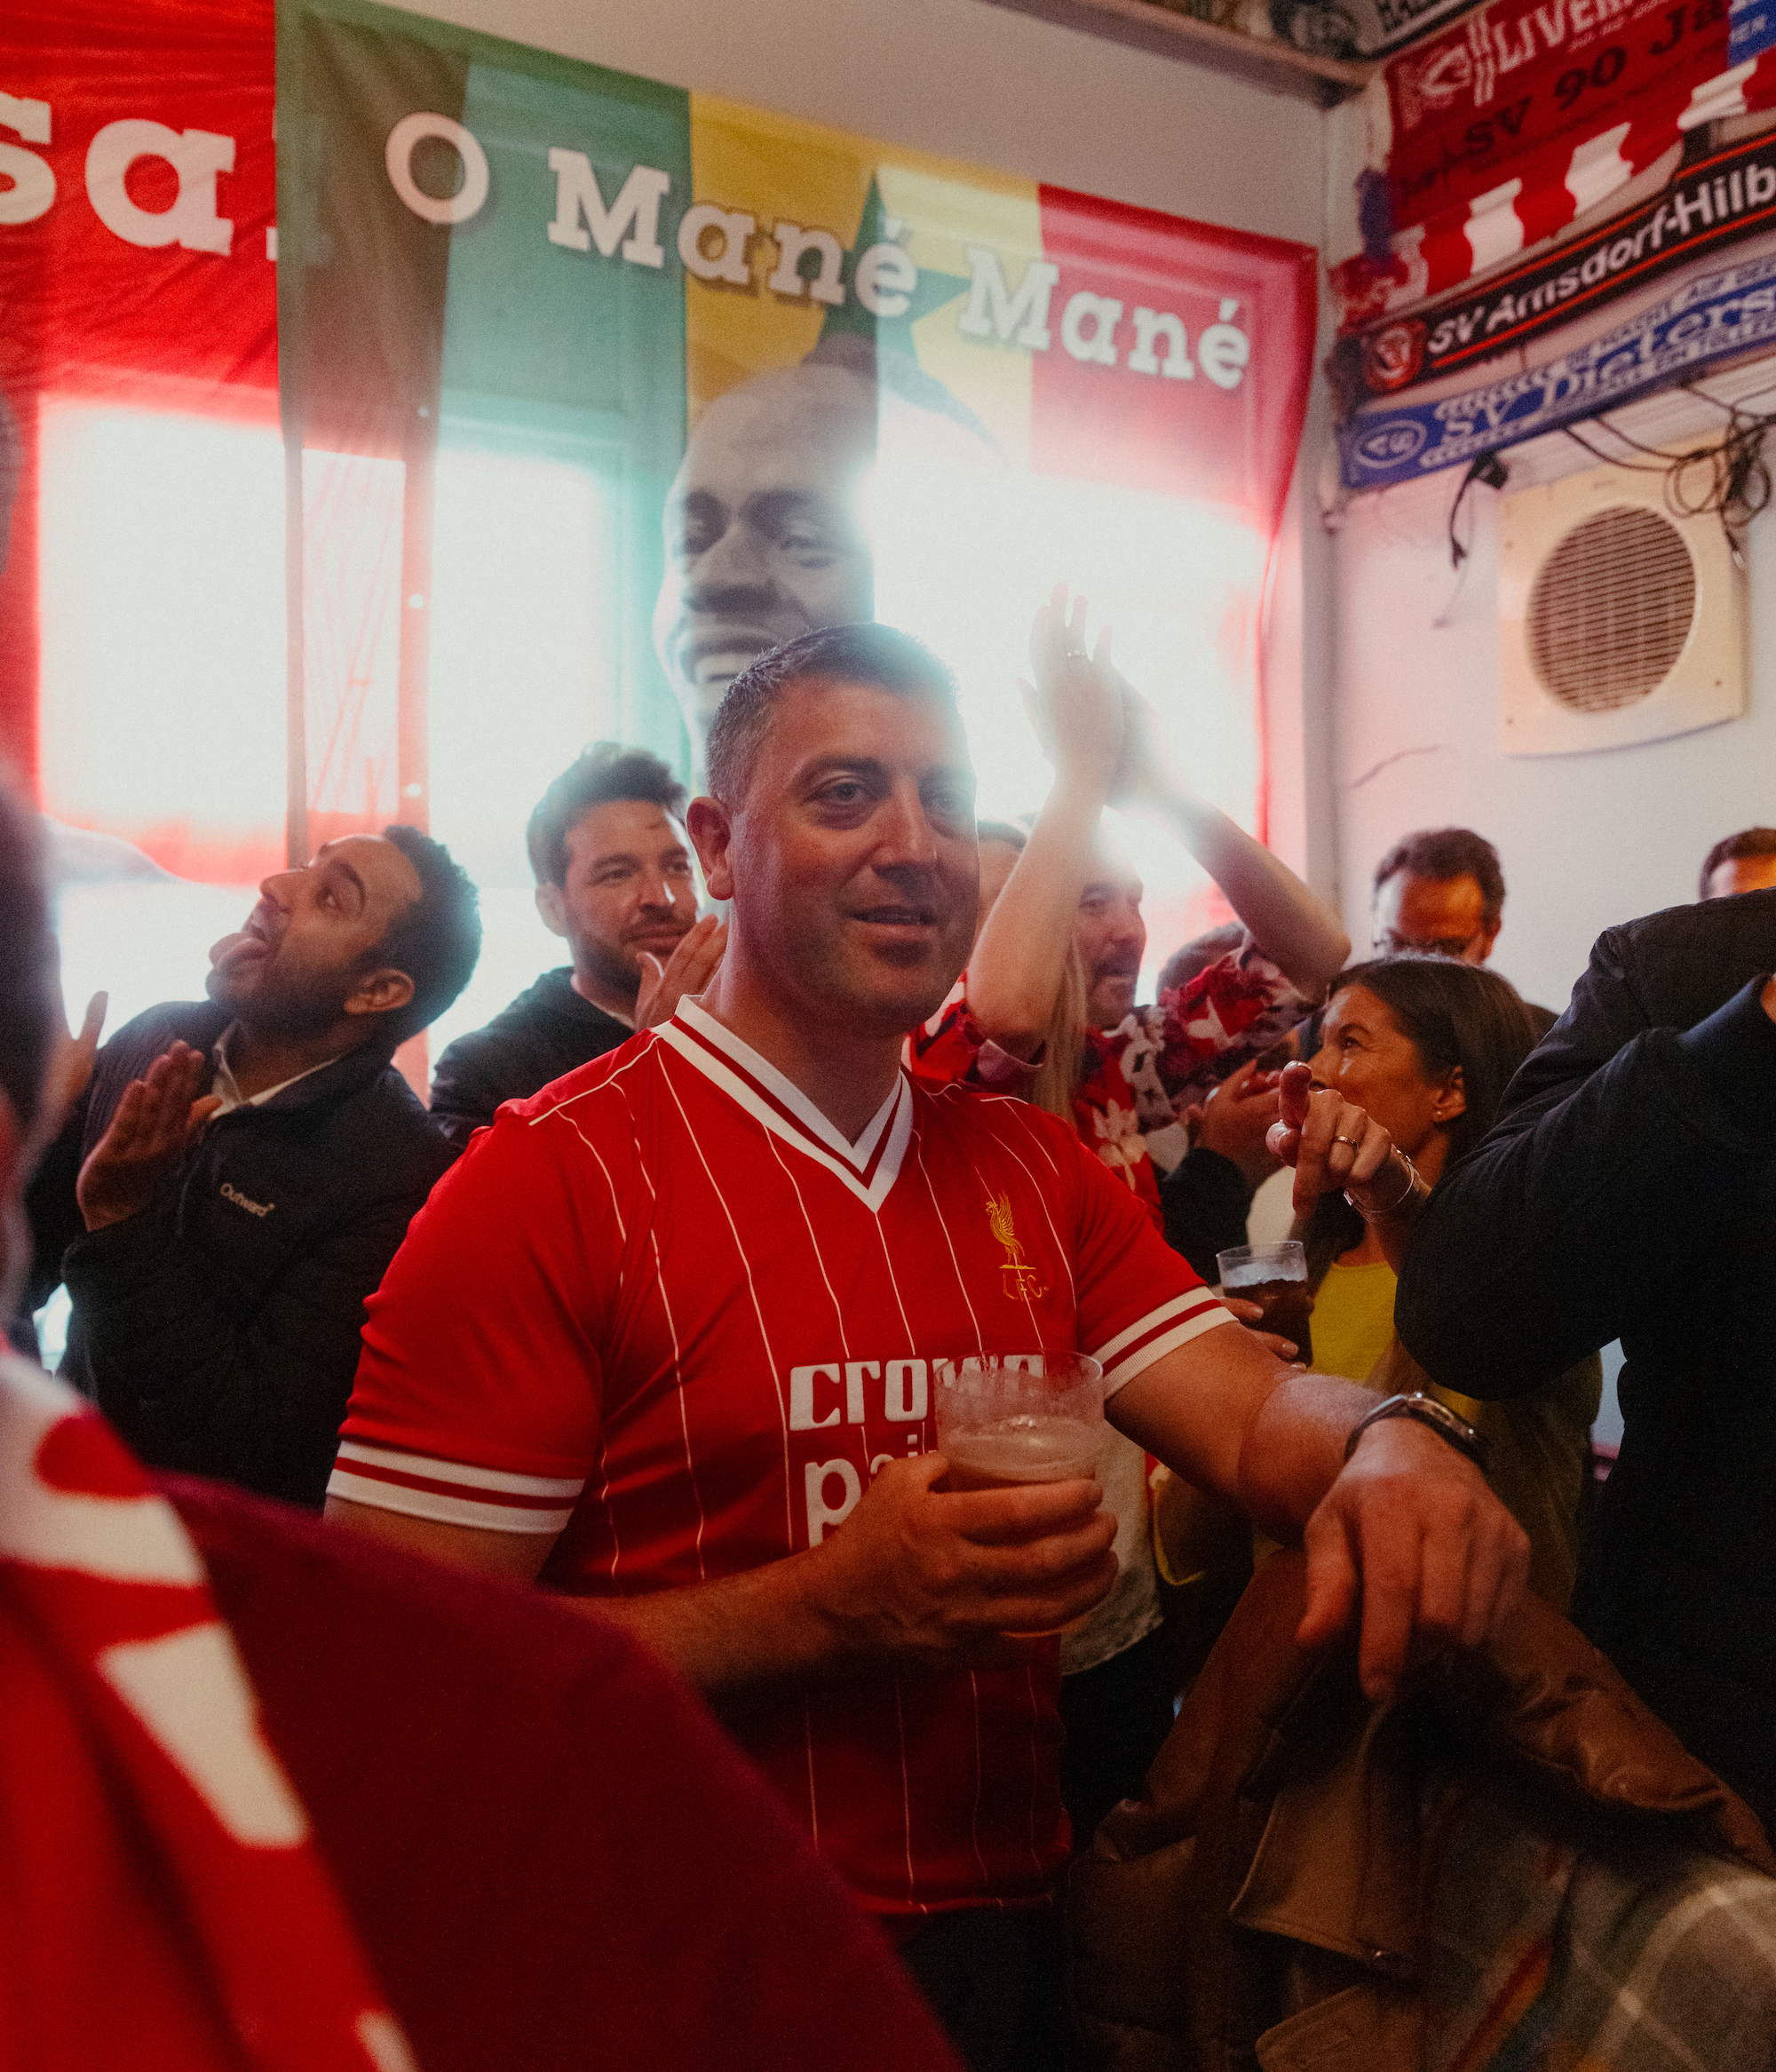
(1019, 1275)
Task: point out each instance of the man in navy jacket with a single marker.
(1628, 1190)
(240, 1170)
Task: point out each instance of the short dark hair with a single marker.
(1448, 853)
(880, 656)
(437, 939)
(1747, 842)
(30, 992)
(604, 775)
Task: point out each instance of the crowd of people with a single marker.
(614, 1367)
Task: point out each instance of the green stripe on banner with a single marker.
(526, 380)
(360, 277)
(554, 347)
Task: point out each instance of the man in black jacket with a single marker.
(238, 1172)
(614, 877)
(1628, 1190)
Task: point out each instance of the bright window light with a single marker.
(965, 550)
(523, 670)
(524, 674)
(163, 642)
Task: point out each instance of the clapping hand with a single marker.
(157, 1118)
(71, 1074)
(1076, 703)
(687, 971)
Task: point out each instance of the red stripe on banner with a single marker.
(1104, 409)
(116, 289)
(1518, 75)
(1434, 256)
(89, 303)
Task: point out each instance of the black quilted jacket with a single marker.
(1627, 1190)
(219, 1329)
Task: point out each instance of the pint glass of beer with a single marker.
(1006, 1419)
(1275, 1277)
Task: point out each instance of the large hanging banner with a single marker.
(620, 386)
(589, 390)
(613, 386)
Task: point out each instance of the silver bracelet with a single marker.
(1393, 1207)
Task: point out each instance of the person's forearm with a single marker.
(739, 1641)
(1274, 1441)
(1014, 976)
(1294, 1447)
(1390, 1205)
(1298, 932)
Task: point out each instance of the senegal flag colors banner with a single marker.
(589, 390)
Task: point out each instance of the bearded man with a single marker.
(238, 1172)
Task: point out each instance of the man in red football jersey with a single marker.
(666, 1337)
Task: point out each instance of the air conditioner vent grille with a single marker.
(1610, 609)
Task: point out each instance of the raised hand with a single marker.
(1076, 703)
(71, 1074)
(1236, 1119)
(921, 1574)
(687, 971)
(1332, 1144)
(155, 1121)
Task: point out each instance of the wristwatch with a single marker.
(1423, 1409)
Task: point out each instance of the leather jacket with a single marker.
(1263, 1904)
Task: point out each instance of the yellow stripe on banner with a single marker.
(773, 170)
(945, 215)
(776, 169)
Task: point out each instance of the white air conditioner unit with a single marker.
(1618, 622)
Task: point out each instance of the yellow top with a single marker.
(1352, 1319)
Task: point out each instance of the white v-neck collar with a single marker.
(868, 1167)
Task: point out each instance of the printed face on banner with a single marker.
(765, 535)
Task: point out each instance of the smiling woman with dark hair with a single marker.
(1416, 1053)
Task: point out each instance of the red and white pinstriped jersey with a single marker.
(664, 1310)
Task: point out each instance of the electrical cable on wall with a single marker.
(1730, 478)
(1489, 469)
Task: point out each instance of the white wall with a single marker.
(1586, 840)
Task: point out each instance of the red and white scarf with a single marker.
(161, 1904)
